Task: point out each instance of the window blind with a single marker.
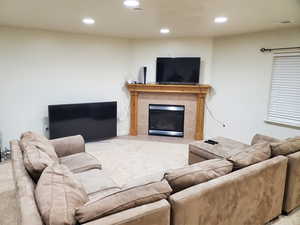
(284, 103)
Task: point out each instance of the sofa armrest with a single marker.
(292, 186)
(68, 145)
(157, 213)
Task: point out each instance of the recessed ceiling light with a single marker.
(164, 30)
(88, 21)
(132, 3)
(221, 19)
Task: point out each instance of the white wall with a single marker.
(146, 51)
(39, 68)
(241, 81)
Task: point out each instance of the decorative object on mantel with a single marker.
(145, 74)
(199, 93)
(130, 82)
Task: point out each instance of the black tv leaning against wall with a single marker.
(94, 121)
(179, 70)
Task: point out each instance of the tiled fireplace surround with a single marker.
(191, 96)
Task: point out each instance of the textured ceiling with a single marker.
(185, 18)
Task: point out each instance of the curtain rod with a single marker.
(276, 49)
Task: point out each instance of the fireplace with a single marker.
(192, 97)
(166, 120)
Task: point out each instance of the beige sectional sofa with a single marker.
(199, 151)
(205, 193)
(93, 179)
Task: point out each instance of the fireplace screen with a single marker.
(166, 120)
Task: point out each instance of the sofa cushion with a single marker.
(95, 181)
(286, 147)
(35, 161)
(197, 173)
(104, 193)
(58, 193)
(80, 162)
(251, 155)
(258, 138)
(40, 142)
(146, 179)
(122, 200)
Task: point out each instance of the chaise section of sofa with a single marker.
(200, 151)
(252, 195)
(94, 181)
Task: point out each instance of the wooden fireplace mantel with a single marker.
(199, 90)
(160, 88)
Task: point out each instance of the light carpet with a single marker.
(125, 160)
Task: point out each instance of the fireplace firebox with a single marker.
(166, 120)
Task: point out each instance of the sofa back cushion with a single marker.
(259, 138)
(39, 142)
(35, 160)
(286, 147)
(57, 194)
(197, 173)
(122, 200)
(251, 155)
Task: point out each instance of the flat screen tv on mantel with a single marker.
(94, 121)
(180, 70)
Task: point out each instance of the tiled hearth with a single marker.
(192, 97)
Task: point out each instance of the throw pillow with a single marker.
(251, 155)
(122, 200)
(259, 138)
(58, 193)
(286, 147)
(35, 161)
(40, 142)
(197, 173)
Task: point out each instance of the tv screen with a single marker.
(178, 70)
(94, 121)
